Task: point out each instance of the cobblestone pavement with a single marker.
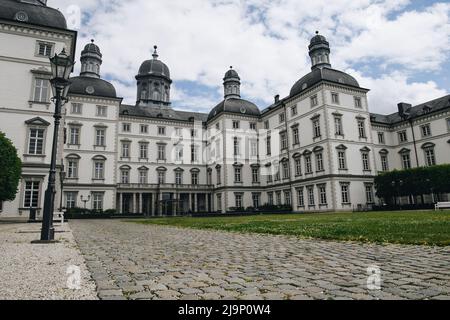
(132, 261)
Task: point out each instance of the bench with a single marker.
(442, 205)
(59, 216)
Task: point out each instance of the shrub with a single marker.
(11, 169)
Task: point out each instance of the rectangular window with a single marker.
(178, 132)
(366, 161)
(193, 133)
(71, 200)
(287, 198)
(31, 196)
(217, 126)
(97, 201)
(314, 101)
(298, 167)
(178, 178)
(238, 200)
(311, 197)
(72, 169)
(402, 136)
(253, 148)
(308, 165)
(102, 111)
(125, 150)
(338, 126)
(143, 151)
(426, 130)
(237, 175)
(179, 153)
(269, 178)
(236, 124)
(126, 127)
(194, 153)
(406, 161)
(270, 198)
(319, 162)
(300, 197)
(358, 103)
(316, 129)
(296, 136)
(384, 163)
(162, 131)
(294, 111)
(342, 160)
(161, 152)
(74, 138)
(100, 137)
(345, 193)
(269, 145)
(381, 139)
(369, 194)
(41, 90)
(219, 202)
(283, 140)
(362, 129)
(236, 147)
(194, 176)
(278, 195)
(252, 125)
(76, 108)
(36, 142)
(143, 176)
(285, 166)
(125, 176)
(99, 170)
(322, 194)
(282, 117)
(161, 177)
(256, 197)
(219, 176)
(266, 125)
(335, 98)
(144, 129)
(45, 49)
(255, 175)
(430, 157)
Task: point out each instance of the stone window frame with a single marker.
(96, 128)
(79, 105)
(76, 158)
(99, 159)
(336, 116)
(426, 134)
(101, 114)
(348, 192)
(141, 170)
(74, 125)
(40, 124)
(342, 148)
(366, 152)
(45, 43)
(371, 185)
(31, 178)
(122, 144)
(426, 147)
(300, 197)
(320, 194)
(93, 197)
(384, 166)
(405, 152)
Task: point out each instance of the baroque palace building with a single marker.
(317, 149)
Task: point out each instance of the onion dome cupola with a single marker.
(233, 103)
(319, 51)
(232, 84)
(91, 60)
(89, 82)
(153, 82)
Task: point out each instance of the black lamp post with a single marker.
(62, 177)
(61, 68)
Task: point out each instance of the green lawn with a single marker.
(416, 227)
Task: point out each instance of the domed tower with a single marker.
(153, 82)
(91, 60)
(319, 51)
(232, 84)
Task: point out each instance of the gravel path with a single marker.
(133, 261)
(35, 272)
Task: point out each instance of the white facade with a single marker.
(316, 150)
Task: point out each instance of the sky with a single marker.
(399, 49)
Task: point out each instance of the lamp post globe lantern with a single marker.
(61, 65)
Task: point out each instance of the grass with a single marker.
(404, 227)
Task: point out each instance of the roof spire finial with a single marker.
(155, 53)
(317, 32)
(231, 67)
(92, 40)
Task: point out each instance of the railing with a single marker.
(165, 186)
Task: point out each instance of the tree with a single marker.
(10, 169)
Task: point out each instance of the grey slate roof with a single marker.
(415, 112)
(323, 74)
(161, 113)
(35, 14)
(154, 67)
(84, 86)
(234, 105)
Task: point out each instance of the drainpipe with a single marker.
(410, 120)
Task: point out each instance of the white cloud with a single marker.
(266, 41)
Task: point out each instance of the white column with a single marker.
(120, 203)
(141, 204)
(195, 202)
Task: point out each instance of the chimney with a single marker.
(403, 109)
(277, 98)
